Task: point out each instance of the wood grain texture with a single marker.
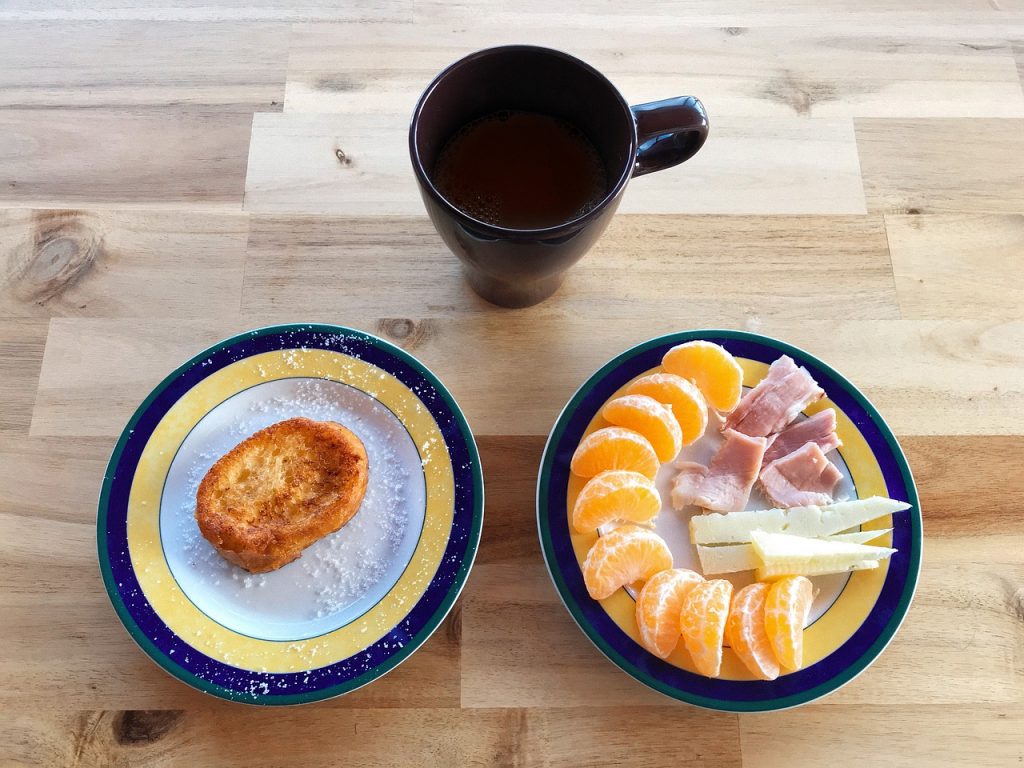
(859, 197)
(113, 263)
(926, 377)
(137, 64)
(803, 264)
(374, 737)
(203, 11)
(71, 157)
(21, 357)
(958, 265)
(936, 735)
(832, 69)
(921, 166)
(358, 163)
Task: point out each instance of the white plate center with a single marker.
(338, 578)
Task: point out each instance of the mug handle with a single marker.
(668, 132)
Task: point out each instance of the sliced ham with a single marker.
(775, 401)
(724, 485)
(819, 428)
(801, 478)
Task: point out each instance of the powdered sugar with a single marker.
(337, 578)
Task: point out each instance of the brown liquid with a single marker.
(521, 170)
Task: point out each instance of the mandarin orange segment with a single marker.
(614, 448)
(615, 495)
(651, 419)
(746, 634)
(702, 624)
(715, 372)
(658, 607)
(786, 609)
(682, 396)
(623, 556)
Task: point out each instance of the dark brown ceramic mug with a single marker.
(520, 267)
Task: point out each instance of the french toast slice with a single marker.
(280, 490)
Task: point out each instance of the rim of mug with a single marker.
(494, 229)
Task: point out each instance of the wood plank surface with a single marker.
(831, 69)
(172, 173)
(805, 264)
(941, 165)
(136, 64)
(926, 377)
(957, 265)
(62, 157)
(111, 263)
(359, 164)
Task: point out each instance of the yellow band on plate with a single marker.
(852, 607)
(145, 548)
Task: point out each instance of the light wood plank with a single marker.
(762, 166)
(821, 70)
(52, 479)
(132, 64)
(546, 659)
(102, 666)
(21, 356)
(62, 157)
(958, 265)
(954, 500)
(225, 736)
(926, 377)
(120, 263)
(206, 11)
(894, 735)
(112, 367)
(510, 465)
(803, 265)
(933, 166)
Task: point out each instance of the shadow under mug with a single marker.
(520, 267)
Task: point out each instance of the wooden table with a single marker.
(172, 173)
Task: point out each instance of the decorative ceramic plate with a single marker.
(356, 603)
(854, 616)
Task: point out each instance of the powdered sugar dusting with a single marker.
(337, 578)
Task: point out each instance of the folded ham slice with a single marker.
(775, 401)
(819, 428)
(801, 478)
(724, 485)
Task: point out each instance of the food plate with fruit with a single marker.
(290, 514)
(729, 520)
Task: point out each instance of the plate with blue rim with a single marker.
(854, 616)
(356, 603)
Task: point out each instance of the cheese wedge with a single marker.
(859, 537)
(770, 574)
(728, 558)
(736, 527)
(798, 556)
(731, 558)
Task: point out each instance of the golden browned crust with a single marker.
(282, 489)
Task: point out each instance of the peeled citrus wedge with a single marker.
(651, 419)
(658, 607)
(715, 372)
(682, 396)
(746, 634)
(614, 448)
(786, 610)
(622, 556)
(615, 495)
(702, 623)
